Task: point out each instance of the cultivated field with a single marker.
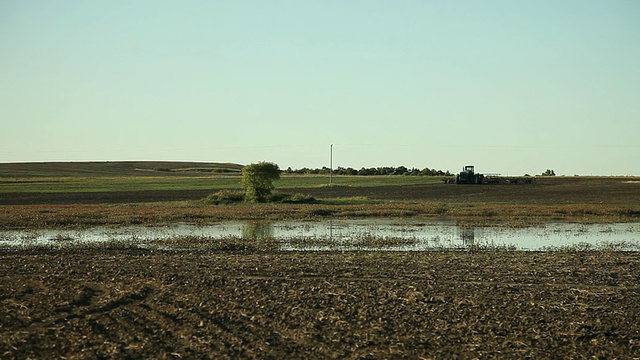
(52, 202)
(141, 304)
(114, 302)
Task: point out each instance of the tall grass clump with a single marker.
(225, 197)
(299, 199)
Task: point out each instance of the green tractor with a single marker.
(468, 176)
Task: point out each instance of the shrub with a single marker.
(291, 199)
(257, 180)
(225, 197)
(277, 197)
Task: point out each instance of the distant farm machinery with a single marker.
(469, 176)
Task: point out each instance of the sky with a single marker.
(512, 87)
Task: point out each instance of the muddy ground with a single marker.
(115, 303)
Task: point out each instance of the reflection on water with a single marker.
(257, 230)
(467, 235)
(344, 235)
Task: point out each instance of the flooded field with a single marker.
(97, 287)
(340, 235)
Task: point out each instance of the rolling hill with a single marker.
(114, 169)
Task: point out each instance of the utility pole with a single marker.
(331, 165)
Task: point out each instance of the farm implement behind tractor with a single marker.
(469, 176)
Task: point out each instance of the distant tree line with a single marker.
(387, 170)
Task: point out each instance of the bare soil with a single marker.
(147, 304)
(545, 191)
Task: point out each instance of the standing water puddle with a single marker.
(343, 235)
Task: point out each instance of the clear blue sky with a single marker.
(513, 87)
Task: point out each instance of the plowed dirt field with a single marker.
(97, 304)
(553, 191)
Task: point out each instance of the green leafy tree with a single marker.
(257, 180)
